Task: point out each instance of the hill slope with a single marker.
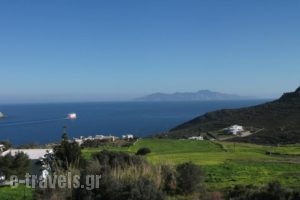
(201, 95)
(279, 119)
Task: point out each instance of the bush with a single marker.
(189, 178)
(142, 189)
(123, 177)
(117, 159)
(94, 143)
(143, 151)
(272, 191)
(110, 189)
(169, 184)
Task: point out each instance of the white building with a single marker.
(87, 138)
(79, 141)
(235, 129)
(128, 137)
(196, 138)
(33, 154)
(105, 137)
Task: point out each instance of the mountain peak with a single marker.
(291, 95)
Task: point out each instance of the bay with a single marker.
(43, 123)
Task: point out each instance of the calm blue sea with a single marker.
(43, 123)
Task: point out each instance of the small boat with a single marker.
(72, 116)
(1, 115)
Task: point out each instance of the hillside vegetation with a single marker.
(278, 120)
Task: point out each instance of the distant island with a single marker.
(201, 95)
(275, 122)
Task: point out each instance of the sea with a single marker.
(44, 123)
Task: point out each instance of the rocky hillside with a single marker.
(279, 121)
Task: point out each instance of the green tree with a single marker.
(17, 165)
(68, 153)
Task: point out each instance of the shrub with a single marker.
(93, 143)
(45, 191)
(143, 151)
(169, 184)
(123, 177)
(189, 178)
(110, 189)
(272, 191)
(142, 189)
(117, 159)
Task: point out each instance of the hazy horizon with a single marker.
(99, 98)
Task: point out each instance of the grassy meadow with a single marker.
(20, 192)
(226, 163)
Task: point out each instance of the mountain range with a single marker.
(201, 95)
(279, 121)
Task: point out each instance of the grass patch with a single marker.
(258, 173)
(166, 146)
(288, 149)
(21, 192)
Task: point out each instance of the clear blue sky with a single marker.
(84, 50)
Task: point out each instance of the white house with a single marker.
(87, 138)
(235, 129)
(81, 139)
(78, 141)
(33, 154)
(104, 137)
(196, 138)
(128, 137)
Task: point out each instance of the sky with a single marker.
(96, 50)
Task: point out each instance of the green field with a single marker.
(18, 193)
(226, 163)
